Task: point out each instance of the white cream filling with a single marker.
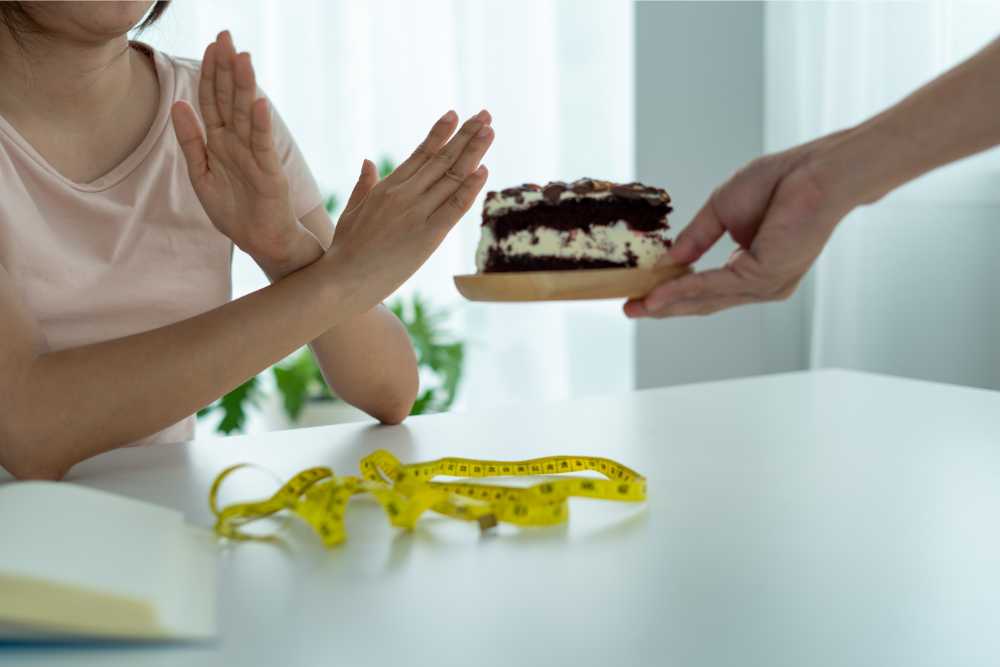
(607, 242)
(529, 198)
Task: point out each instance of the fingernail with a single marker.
(485, 132)
(483, 115)
(447, 116)
(633, 309)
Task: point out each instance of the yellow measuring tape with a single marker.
(406, 491)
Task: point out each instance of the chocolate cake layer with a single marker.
(499, 262)
(580, 214)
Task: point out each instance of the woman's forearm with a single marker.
(954, 116)
(65, 406)
(369, 362)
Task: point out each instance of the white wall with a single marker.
(699, 116)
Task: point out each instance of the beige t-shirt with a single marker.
(131, 251)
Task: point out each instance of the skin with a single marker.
(88, 94)
(782, 209)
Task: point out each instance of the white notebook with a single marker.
(81, 563)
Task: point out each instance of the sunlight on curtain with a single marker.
(367, 79)
(907, 286)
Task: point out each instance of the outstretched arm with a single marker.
(781, 209)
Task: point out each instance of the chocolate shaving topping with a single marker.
(516, 193)
(627, 192)
(552, 192)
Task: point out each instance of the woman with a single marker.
(116, 236)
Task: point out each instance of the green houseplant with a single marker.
(300, 382)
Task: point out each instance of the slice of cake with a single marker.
(586, 224)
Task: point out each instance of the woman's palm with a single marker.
(236, 173)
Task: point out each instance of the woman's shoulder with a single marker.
(188, 66)
(186, 72)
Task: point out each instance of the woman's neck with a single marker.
(84, 107)
(64, 81)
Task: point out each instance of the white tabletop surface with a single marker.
(817, 519)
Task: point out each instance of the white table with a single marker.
(813, 519)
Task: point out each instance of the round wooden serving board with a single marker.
(565, 285)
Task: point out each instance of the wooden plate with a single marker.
(565, 285)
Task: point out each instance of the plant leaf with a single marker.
(385, 166)
(451, 360)
(233, 406)
(423, 403)
(331, 203)
(300, 380)
(442, 357)
(396, 308)
(293, 390)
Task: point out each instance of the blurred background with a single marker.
(677, 95)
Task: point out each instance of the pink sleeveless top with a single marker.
(131, 251)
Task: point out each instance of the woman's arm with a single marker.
(368, 361)
(61, 407)
(781, 209)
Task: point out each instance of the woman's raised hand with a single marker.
(234, 168)
(390, 228)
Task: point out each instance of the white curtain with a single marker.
(367, 79)
(908, 286)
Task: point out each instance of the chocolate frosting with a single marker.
(552, 191)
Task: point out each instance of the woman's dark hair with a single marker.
(154, 14)
(18, 20)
